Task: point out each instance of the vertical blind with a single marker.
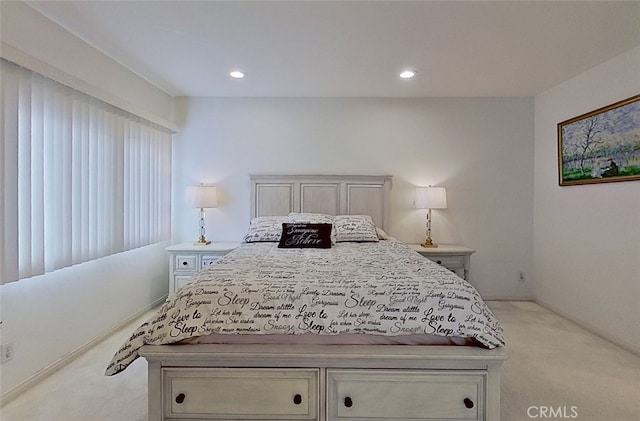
(80, 179)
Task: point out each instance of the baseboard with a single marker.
(621, 342)
(503, 298)
(63, 361)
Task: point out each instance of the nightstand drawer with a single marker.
(208, 260)
(181, 280)
(186, 262)
(450, 262)
(453, 257)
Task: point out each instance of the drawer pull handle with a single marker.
(185, 263)
(297, 399)
(348, 402)
(180, 398)
(468, 403)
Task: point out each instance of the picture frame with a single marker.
(601, 146)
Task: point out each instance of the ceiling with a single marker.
(353, 48)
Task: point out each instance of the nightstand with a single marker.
(187, 259)
(453, 257)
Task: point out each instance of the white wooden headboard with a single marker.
(274, 195)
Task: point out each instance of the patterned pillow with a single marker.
(381, 234)
(265, 228)
(305, 235)
(315, 218)
(355, 228)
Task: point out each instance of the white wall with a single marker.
(51, 316)
(480, 149)
(587, 238)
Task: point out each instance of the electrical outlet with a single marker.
(521, 277)
(7, 353)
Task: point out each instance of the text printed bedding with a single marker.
(377, 288)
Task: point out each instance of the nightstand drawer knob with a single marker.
(185, 263)
(468, 403)
(180, 398)
(297, 399)
(348, 402)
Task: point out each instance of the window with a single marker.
(80, 179)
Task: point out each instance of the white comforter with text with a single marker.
(377, 288)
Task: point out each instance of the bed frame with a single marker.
(323, 382)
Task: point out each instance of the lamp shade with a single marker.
(202, 196)
(430, 198)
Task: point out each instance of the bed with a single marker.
(320, 316)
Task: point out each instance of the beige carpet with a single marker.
(555, 366)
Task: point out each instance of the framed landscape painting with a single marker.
(601, 146)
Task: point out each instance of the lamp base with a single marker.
(428, 243)
(202, 241)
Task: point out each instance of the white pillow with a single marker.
(265, 228)
(381, 234)
(355, 228)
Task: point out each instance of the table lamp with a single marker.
(430, 198)
(202, 197)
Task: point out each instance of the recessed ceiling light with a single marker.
(407, 74)
(236, 74)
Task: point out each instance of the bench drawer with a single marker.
(404, 395)
(246, 394)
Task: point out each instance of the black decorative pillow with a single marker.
(305, 235)
(315, 218)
